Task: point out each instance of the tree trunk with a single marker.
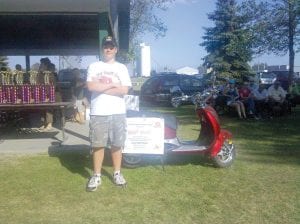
(292, 19)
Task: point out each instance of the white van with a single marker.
(266, 77)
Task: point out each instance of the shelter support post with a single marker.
(103, 25)
(27, 60)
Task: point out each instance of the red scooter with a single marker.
(214, 142)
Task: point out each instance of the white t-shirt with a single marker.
(104, 104)
(276, 93)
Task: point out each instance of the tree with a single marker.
(143, 20)
(3, 62)
(227, 43)
(68, 62)
(275, 27)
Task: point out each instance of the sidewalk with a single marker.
(32, 141)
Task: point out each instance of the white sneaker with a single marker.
(93, 183)
(46, 128)
(42, 128)
(119, 179)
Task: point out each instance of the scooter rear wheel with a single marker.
(131, 160)
(226, 156)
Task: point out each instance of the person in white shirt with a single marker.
(261, 93)
(277, 97)
(108, 81)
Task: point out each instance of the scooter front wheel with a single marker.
(226, 156)
(132, 160)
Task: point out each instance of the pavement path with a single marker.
(33, 141)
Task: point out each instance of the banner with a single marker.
(144, 136)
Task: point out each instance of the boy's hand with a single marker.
(105, 80)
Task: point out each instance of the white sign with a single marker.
(144, 136)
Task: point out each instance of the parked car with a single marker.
(65, 82)
(267, 78)
(66, 75)
(163, 87)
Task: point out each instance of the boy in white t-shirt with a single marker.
(108, 81)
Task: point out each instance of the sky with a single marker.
(185, 20)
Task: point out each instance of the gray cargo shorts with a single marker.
(106, 131)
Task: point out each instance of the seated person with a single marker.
(79, 94)
(277, 98)
(247, 97)
(252, 85)
(220, 102)
(232, 95)
(260, 96)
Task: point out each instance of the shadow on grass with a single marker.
(78, 159)
(269, 141)
(75, 158)
(270, 158)
(174, 160)
(196, 159)
(276, 152)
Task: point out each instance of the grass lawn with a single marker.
(262, 186)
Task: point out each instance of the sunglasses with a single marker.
(108, 47)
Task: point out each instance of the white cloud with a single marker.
(185, 1)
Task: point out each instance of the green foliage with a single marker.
(3, 61)
(144, 20)
(228, 42)
(275, 27)
(272, 24)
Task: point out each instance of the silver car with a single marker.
(267, 77)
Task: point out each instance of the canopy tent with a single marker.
(55, 27)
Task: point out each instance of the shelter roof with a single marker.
(61, 27)
(53, 6)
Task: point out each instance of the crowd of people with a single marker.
(258, 100)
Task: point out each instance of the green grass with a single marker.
(262, 186)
